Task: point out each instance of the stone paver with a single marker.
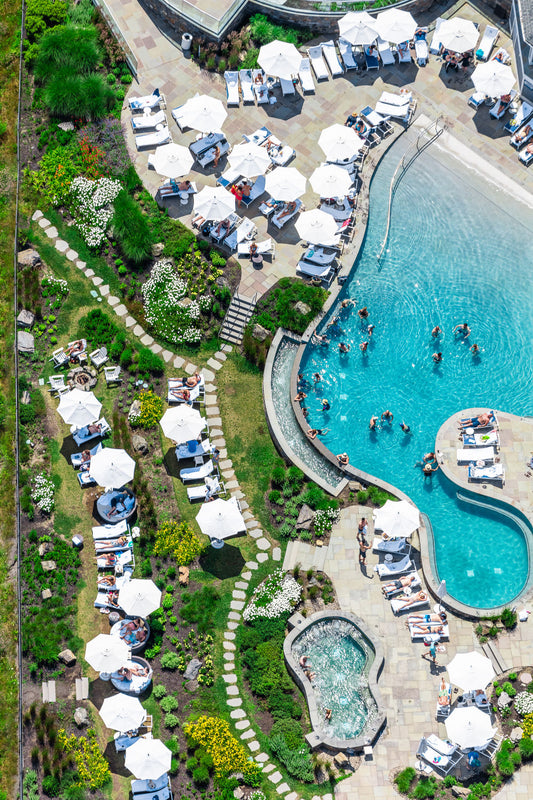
(228, 645)
(232, 690)
(112, 300)
(261, 758)
(61, 246)
(246, 576)
(220, 356)
(256, 533)
(51, 232)
(229, 635)
(283, 788)
(234, 615)
(239, 713)
(89, 273)
(254, 746)
(216, 365)
(241, 585)
(43, 222)
(249, 734)
(71, 255)
(263, 544)
(36, 215)
(236, 605)
(190, 369)
(97, 281)
(262, 557)
(209, 376)
(234, 702)
(275, 777)
(230, 667)
(229, 656)
(104, 290)
(232, 678)
(233, 626)
(138, 331)
(129, 322)
(156, 348)
(276, 554)
(238, 595)
(166, 355)
(268, 768)
(147, 339)
(121, 310)
(251, 565)
(242, 724)
(81, 264)
(178, 362)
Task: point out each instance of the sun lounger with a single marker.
(193, 449)
(76, 460)
(208, 156)
(436, 44)
(481, 440)
(84, 479)
(444, 702)
(197, 473)
(306, 77)
(163, 794)
(205, 143)
(230, 177)
(477, 99)
(258, 188)
(493, 423)
(279, 221)
(318, 63)
(372, 61)
(522, 136)
(392, 568)
(399, 589)
(468, 455)
(233, 97)
(526, 157)
(260, 86)
(146, 122)
(486, 44)
(244, 232)
(153, 139)
(282, 156)
(59, 357)
(495, 472)
(397, 112)
(110, 531)
(176, 385)
(257, 137)
(339, 211)
(330, 54)
(404, 53)
(320, 256)
(421, 49)
(519, 118)
(502, 55)
(211, 485)
(444, 763)
(263, 248)
(346, 51)
(418, 631)
(233, 219)
(148, 101)
(100, 547)
(247, 88)
(313, 270)
(106, 600)
(287, 87)
(372, 117)
(399, 604)
(385, 52)
(395, 546)
(139, 786)
(122, 560)
(82, 435)
(500, 108)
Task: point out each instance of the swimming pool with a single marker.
(459, 250)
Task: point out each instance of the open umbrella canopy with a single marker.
(469, 727)
(317, 227)
(214, 203)
(106, 653)
(182, 423)
(285, 183)
(148, 759)
(396, 26)
(79, 408)
(172, 160)
(249, 159)
(220, 519)
(121, 712)
(112, 467)
(493, 78)
(138, 597)
(339, 142)
(458, 35)
(470, 671)
(281, 59)
(358, 27)
(203, 113)
(329, 180)
(397, 518)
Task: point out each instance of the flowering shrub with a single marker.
(91, 205)
(106, 138)
(523, 703)
(276, 595)
(179, 540)
(204, 301)
(323, 520)
(206, 676)
(92, 766)
(527, 725)
(54, 286)
(227, 753)
(161, 294)
(43, 493)
(57, 169)
(151, 410)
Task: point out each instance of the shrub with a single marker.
(151, 410)
(169, 703)
(98, 328)
(404, 779)
(509, 688)
(171, 721)
(69, 49)
(170, 661)
(509, 618)
(274, 496)
(425, 788)
(199, 608)
(524, 703)
(200, 775)
(51, 786)
(178, 540)
(150, 362)
(291, 732)
(525, 746)
(131, 229)
(297, 762)
(227, 753)
(159, 691)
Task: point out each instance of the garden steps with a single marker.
(237, 316)
(492, 652)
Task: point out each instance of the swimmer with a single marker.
(387, 416)
(370, 329)
(430, 457)
(427, 469)
(363, 347)
(328, 714)
(405, 428)
(318, 338)
(305, 412)
(325, 405)
(437, 357)
(463, 329)
(344, 348)
(314, 432)
(334, 321)
(363, 313)
(317, 377)
(475, 349)
(347, 302)
(303, 660)
(300, 396)
(373, 422)
(436, 331)
(343, 458)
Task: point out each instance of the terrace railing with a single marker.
(114, 27)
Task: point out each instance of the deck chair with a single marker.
(99, 357)
(393, 590)
(468, 455)
(499, 108)
(244, 232)
(441, 762)
(82, 435)
(310, 270)
(212, 485)
(263, 248)
(318, 63)
(282, 157)
(404, 53)
(421, 49)
(112, 375)
(153, 139)
(306, 77)
(444, 702)
(148, 101)
(385, 52)
(193, 449)
(494, 472)
(153, 786)
(233, 97)
(260, 86)
(399, 604)
(57, 382)
(372, 61)
(394, 546)
(525, 157)
(436, 44)
(435, 634)
(522, 136)
(197, 473)
(76, 460)
(59, 357)
(502, 55)
(346, 52)
(520, 117)
(258, 188)
(257, 137)
(392, 568)
(287, 87)
(278, 221)
(477, 99)
(486, 44)
(247, 89)
(476, 440)
(110, 531)
(230, 177)
(85, 479)
(146, 122)
(330, 54)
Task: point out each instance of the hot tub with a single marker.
(108, 501)
(138, 683)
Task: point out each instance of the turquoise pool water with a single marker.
(459, 250)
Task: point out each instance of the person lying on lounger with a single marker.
(289, 209)
(521, 135)
(107, 559)
(411, 600)
(181, 394)
(103, 544)
(85, 460)
(444, 698)
(401, 583)
(224, 223)
(416, 618)
(112, 599)
(107, 580)
(482, 420)
(425, 630)
(94, 427)
(126, 673)
(120, 503)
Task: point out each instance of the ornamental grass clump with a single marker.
(227, 753)
(179, 540)
(43, 493)
(162, 294)
(278, 594)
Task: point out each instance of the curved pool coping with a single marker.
(297, 624)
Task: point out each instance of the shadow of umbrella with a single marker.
(406, 74)
(487, 125)
(285, 108)
(116, 761)
(171, 463)
(227, 562)
(69, 447)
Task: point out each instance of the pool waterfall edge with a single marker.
(297, 625)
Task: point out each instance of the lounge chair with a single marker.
(522, 136)
(59, 357)
(346, 51)
(110, 531)
(371, 59)
(317, 271)
(493, 423)
(385, 52)
(163, 794)
(282, 156)
(233, 97)
(502, 55)
(195, 392)
(105, 600)
(101, 547)
(244, 232)
(442, 762)
(263, 248)
(258, 188)
(394, 546)
(233, 219)
(399, 604)
(415, 629)
(486, 44)
(139, 786)
(170, 189)
(257, 137)
(373, 118)
(468, 455)
(260, 86)
(208, 156)
(193, 449)
(500, 107)
(247, 87)
(122, 560)
(421, 48)
(398, 589)
(76, 459)
(82, 435)
(85, 479)
(444, 702)
(392, 568)
(306, 77)
(279, 221)
(436, 44)
(197, 473)
(477, 99)
(494, 472)
(481, 440)
(287, 87)
(153, 139)
(148, 101)
(330, 54)
(230, 177)
(212, 485)
(112, 374)
(401, 113)
(318, 63)
(519, 118)
(339, 211)
(99, 357)
(404, 53)
(57, 382)
(146, 122)
(526, 156)
(320, 256)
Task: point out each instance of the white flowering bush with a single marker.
(205, 303)
(276, 595)
(91, 203)
(523, 703)
(161, 295)
(43, 492)
(257, 795)
(323, 520)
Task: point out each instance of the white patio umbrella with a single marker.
(358, 27)
(493, 78)
(121, 712)
(204, 113)
(249, 159)
(138, 597)
(214, 203)
(469, 727)
(317, 227)
(458, 35)
(470, 671)
(106, 653)
(182, 424)
(397, 518)
(172, 160)
(148, 759)
(79, 408)
(221, 518)
(112, 467)
(281, 59)
(396, 26)
(285, 183)
(339, 142)
(330, 180)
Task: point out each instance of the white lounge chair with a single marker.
(385, 52)
(398, 604)
(247, 88)
(283, 155)
(314, 270)
(110, 531)
(257, 137)
(139, 786)
(397, 112)
(85, 479)
(197, 473)
(372, 60)
(486, 44)
(208, 156)
(421, 49)
(279, 221)
(146, 122)
(526, 157)
(494, 472)
(320, 256)
(502, 55)
(330, 54)
(57, 383)
(398, 589)
(233, 97)
(404, 53)
(318, 63)
(436, 44)
(391, 568)
(444, 702)
(500, 107)
(468, 455)
(244, 232)
(346, 51)
(112, 374)
(306, 77)
(394, 546)
(148, 101)
(263, 248)
(477, 99)
(82, 435)
(417, 632)
(287, 87)
(476, 440)
(519, 118)
(260, 86)
(522, 136)
(230, 177)
(76, 458)
(99, 357)
(258, 188)
(212, 485)
(176, 384)
(153, 139)
(443, 762)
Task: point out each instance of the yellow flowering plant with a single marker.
(227, 753)
(179, 540)
(151, 410)
(91, 765)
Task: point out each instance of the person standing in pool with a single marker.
(475, 350)
(437, 357)
(325, 405)
(370, 329)
(436, 332)
(363, 313)
(343, 347)
(463, 329)
(363, 347)
(387, 416)
(317, 377)
(373, 422)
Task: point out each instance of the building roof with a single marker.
(525, 11)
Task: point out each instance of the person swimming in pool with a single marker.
(475, 349)
(387, 416)
(437, 357)
(363, 347)
(405, 427)
(462, 329)
(436, 332)
(373, 422)
(343, 347)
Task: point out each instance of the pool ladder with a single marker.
(423, 140)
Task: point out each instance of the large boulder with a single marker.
(183, 576)
(25, 319)
(305, 518)
(81, 717)
(193, 668)
(516, 734)
(139, 443)
(29, 258)
(157, 249)
(67, 657)
(302, 307)
(504, 700)
(25, 342)
(260, 333)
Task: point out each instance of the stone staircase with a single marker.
(237, 317)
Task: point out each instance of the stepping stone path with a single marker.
(234, 700)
